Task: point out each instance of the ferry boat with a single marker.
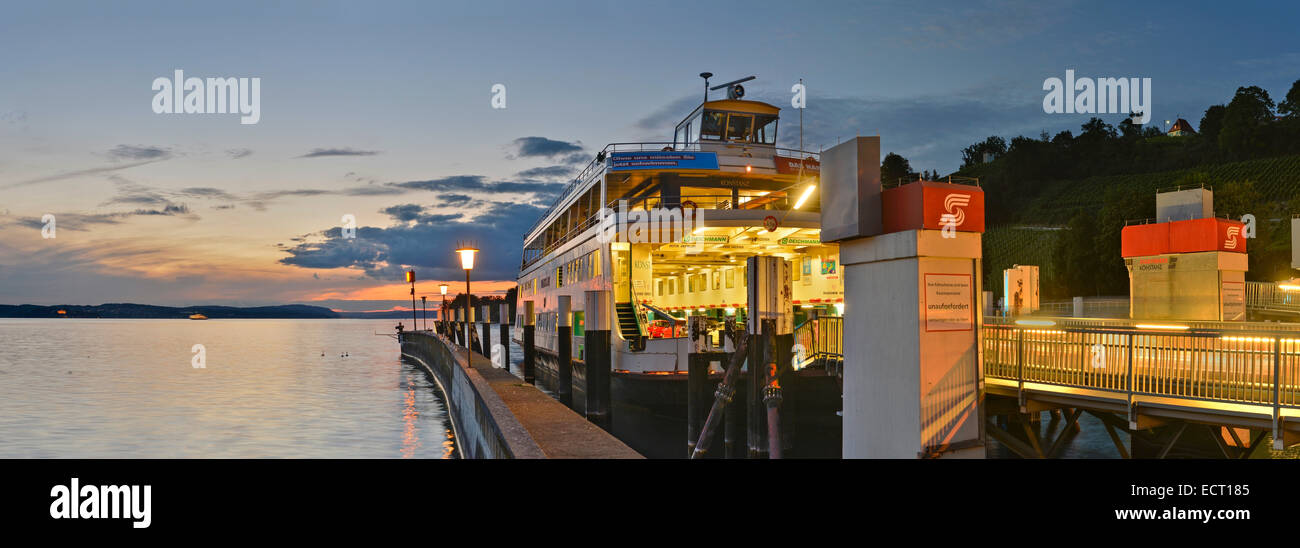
(747, 197)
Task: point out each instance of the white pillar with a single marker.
(911, 345)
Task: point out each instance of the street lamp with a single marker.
(467, 251)
(424, 310)
(415, 319)
(443, 315)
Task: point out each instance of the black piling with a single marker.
(530, 354)
(698, 396)
(596, 352)
(564, 366)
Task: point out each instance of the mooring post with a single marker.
(564, 344)
(697, 381)
(486, 320)
(530, 353)
(596, 314)
(504, 335)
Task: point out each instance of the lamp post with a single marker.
(415, 319)
(467, 252)
(424, 311)
(443, 315)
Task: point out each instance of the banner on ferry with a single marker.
(627, 161)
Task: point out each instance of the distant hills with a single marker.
(131, 310)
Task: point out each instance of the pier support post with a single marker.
(698, 400)
(564, 345)
(530, 352)
(597, 316)
(486, 320)
(504, 335)
(770, 313)
(460, 327)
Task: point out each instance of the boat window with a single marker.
(765, 129)
(712, 124)
(740, 127)
(693, 129)
(679, 138)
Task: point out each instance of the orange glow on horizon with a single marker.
(392, 292)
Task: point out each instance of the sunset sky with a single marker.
(382, 110)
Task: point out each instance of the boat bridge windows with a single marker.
(709, 125)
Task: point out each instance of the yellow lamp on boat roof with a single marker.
(467, 256)
(804, 198)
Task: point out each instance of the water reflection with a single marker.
(100, 388)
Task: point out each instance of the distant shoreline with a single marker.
(144, 311)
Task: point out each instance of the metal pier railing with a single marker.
(1225, 370)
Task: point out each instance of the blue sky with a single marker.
(177, 209)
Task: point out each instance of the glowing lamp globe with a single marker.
(467, 257)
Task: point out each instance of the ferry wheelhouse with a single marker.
(735, 194)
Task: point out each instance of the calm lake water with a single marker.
(127, 389)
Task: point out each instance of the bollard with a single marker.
(504, 335)
(530, 353)
(597, 354)
(564, 343)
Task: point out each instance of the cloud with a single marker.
(546, 172)
(427, 245)
(135, 152)
(79, 173)
(455, 199)
(324, 152)
(531, 147)
(83, 221)
(237, 153)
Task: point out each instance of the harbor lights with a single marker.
(424, 311)
(804, 198)
(442, 288)
(415, 318)
(467, 251)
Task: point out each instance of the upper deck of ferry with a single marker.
(723, 159)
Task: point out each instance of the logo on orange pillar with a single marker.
(1231, 242)
(953, 204)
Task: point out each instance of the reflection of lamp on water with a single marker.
(467, 252)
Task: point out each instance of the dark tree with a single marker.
(1290, 105)
(1242, 135)
(894, 168)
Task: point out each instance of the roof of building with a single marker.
(1182, 125)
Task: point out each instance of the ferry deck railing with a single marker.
(598, 164)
